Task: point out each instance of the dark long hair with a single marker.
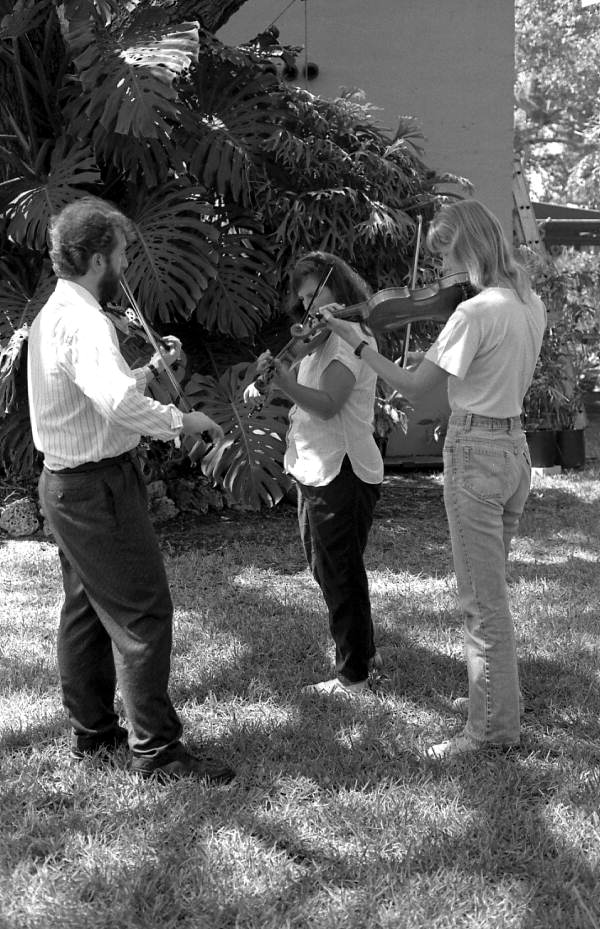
(345, 284)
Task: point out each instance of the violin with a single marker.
(194, 447)
(385, 311)
(291, 351)
(394, 307)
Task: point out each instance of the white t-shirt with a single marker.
(316, 447)
(489, 347)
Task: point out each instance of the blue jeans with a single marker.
(487, 475)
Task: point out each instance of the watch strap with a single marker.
(359, 348)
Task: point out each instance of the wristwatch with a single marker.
(359, 348)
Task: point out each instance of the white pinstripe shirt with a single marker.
(85, 402)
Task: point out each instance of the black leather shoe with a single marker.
(183, 764)
(85, 745)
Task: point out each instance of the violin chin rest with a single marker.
(298, 331)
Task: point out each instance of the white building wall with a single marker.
(449, 63)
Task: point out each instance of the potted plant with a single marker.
(553, 407)
(573, 356)
(390, 413)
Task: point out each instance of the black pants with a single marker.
(116, 620)
(335, 521)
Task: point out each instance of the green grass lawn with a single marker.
(335, 820)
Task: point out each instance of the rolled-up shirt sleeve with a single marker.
(140, 379)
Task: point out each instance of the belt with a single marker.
(93, 465)
(474, 420)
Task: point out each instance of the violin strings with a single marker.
(129, 295)
(324, 278)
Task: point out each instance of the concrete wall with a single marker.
(449, 63)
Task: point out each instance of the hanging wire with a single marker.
(272, 23)
(281, 14)
(306, 44)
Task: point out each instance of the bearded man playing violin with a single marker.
(88, 412)
(332, 456)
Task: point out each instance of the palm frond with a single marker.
(309, 220)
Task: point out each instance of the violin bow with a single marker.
(319, 288)
(205, 443)
(154, 343)
(322, 282)
(259, 402)
(413, 285)
(404, 357)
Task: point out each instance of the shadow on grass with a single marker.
(511, 839)
(281, 653)
(582, 572)
(552, 502)
(502, 835)
(291, 773)
(16, 736)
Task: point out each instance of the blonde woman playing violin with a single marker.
(336, 464)
(486, 353)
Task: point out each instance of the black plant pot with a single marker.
(542, 448)
(381, 442)
(570, 448)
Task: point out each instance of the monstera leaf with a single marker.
(18, 456)
(128, 80)
(22, 295)
(34, 196)
(236, 116)
(239, 300)
(248, 463)
(26, 15)
(174, 256)
(13, 363)
(137, 158)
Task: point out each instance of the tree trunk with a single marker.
(211, 14)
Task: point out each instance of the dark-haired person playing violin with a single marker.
(88, 411)
(332, 456)
(486, 354)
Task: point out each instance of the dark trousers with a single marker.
(335, 521)
(116, 620)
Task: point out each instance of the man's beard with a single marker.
(108, 286)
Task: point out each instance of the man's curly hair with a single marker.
(82, 229)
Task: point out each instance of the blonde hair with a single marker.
(472, 237)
